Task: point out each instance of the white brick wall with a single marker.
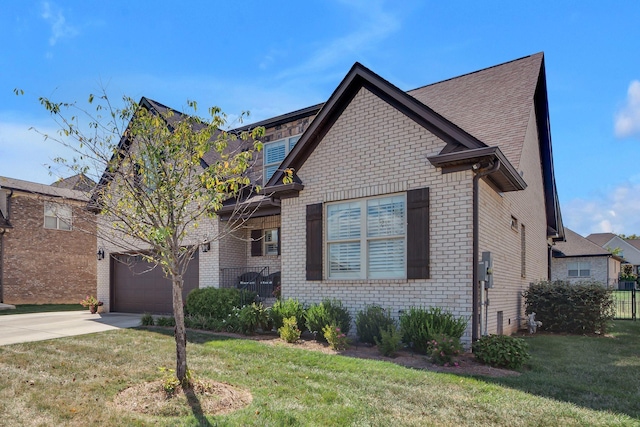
(373, 149)
(602, 270)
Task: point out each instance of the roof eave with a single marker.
(506, 178)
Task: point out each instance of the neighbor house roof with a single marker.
(41, 189)
(601, 239)
(79, 182)
(577, 246)
(634, 242)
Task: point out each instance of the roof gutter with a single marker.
(480, 172)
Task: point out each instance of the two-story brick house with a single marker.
(47, 244)
(397, 195)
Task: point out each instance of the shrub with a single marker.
(501, 351)
(420, 326)
(390, 341)
(252, 317)
(289, 331)
(147, 319)
(443, 349)
(335, 337)
(585, 307)
(370, 321)
(216, 302)
(328, 312)
(285, 309)
(166, 321)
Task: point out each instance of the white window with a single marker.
(274, 154)
(579, 269)
(57, 217)
(366, 239)
(270, 242)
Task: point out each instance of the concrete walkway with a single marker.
(19, 328)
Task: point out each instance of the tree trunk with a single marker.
(180, 332)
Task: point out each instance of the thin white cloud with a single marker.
(614, 211)
(376, 24)
(627, 122)
(58, 23)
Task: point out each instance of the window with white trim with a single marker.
(270, 242)
(366, 238)
(579, 269)
(57, 216)
(275, 152)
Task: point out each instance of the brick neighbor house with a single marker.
(397, 196)
(47, 244)
(579, 259)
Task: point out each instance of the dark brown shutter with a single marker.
(314, 242)
(418, 233)
(279, 241)
(256, 242)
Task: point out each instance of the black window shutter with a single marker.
(256, 242)
(418, 233)
(314, 242)
(279, 241)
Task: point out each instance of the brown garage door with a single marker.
(136, 287)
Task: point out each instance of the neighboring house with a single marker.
(396, 196)
(626, 249)
(578, 259)
(47, 244)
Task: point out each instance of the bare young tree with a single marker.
(156, 188)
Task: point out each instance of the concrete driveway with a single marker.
(18, 328)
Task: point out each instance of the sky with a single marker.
(270, 58)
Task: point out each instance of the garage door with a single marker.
(137, 287)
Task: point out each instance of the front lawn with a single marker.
(73, 381)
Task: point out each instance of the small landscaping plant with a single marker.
(390, 341)
(419, 326)
(167, 321)
(170, 382)
(335, 337)
(501, 351)
(289, 331)
(147, 320)
(328, 312)
(444, 349)
(286, 308)
(371, 321)
(91, 303)
(252, 317)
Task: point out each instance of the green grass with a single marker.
(42, 308)
(72, 381)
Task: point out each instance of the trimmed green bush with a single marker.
(289, 331)
(216, 302)
(419, 326)
(501, 351)
(370, 321)
(147, 320)
(444, 349)
(390, 341)
(284, 309)
(581, 308)
(166, 321)
(328, 312)
(252, 317)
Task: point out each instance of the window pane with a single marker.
(386, 259)
(573, 273)
(585, 273)
(344, 259)
(292, 141)
(63, 224)
(385, 217)
(271, 242)
(274, 153)
(50, 222)
(343, 221)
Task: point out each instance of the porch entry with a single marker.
(258, 280)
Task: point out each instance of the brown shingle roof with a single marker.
(600, 239)
(42, 189)
(492, 104)
(79, 182)
(576, 245)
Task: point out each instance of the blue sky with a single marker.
(274, 57)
